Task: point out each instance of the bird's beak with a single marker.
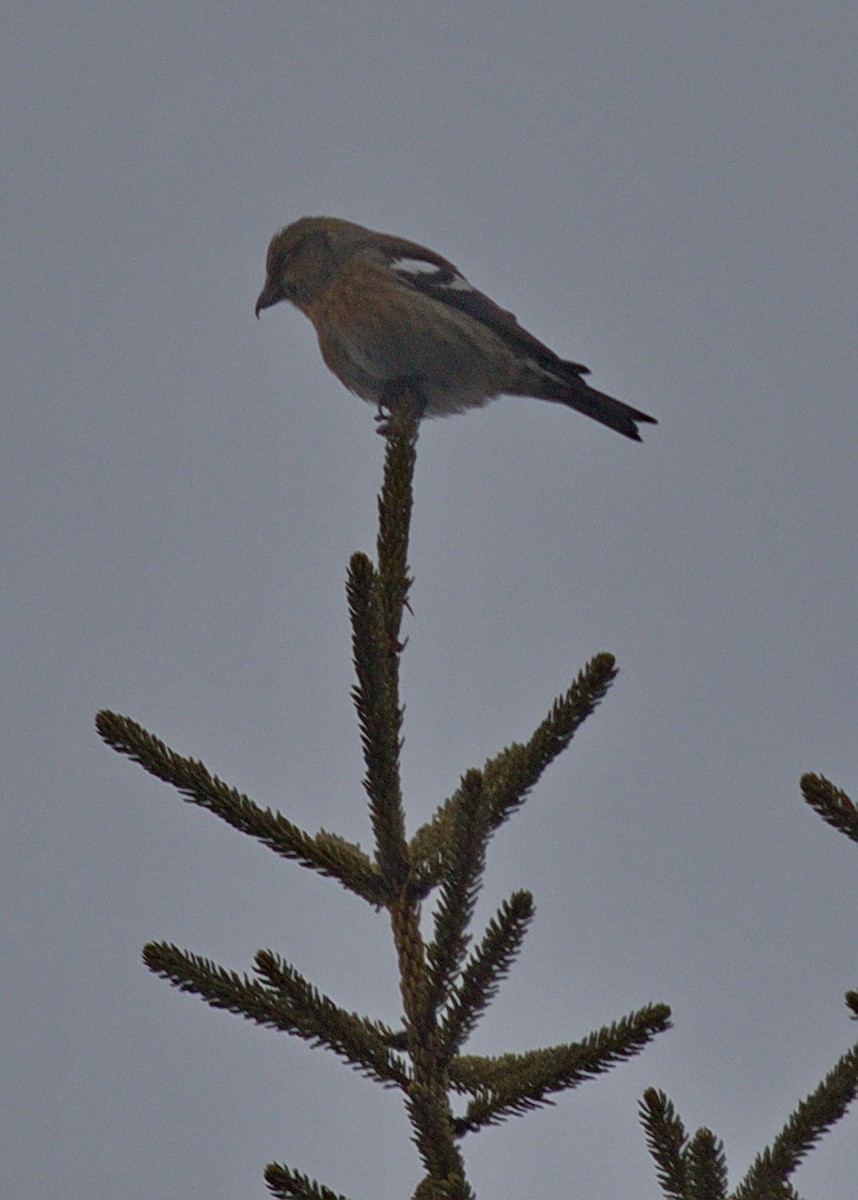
(268, 296)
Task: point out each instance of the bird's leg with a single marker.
(382, 419)
(405, 389)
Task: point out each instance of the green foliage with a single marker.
(292, 1185)
(833, 806)
(515, 1083)
(326, 853)
(695, 1168)
(484, 971)
(446, 985)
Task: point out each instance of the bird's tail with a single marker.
(573, 391)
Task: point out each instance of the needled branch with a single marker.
(707, 1167)
(811, 1119)
(394, 510)
(443, 990)
(464, 866)
(292, 1004)
(286, 1184)
(448, 1187)
(324, 853)
(667, 1140)
(484, 971)
(695, 1168)
(512, 1084)
(510, 776)
(832, 804)
(376, 598)
(380, 718)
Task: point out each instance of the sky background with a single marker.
(666, 192)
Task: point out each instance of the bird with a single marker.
(392, 315)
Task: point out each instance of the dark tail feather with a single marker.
(606, 409)
(578, 395)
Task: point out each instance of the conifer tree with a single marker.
(446, 980)
(695, 1167)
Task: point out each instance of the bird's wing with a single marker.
(432, 275)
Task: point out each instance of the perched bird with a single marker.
(390, 314)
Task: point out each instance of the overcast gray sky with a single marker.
(666, 192)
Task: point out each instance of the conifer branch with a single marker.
(512, 1084)
(443, 992)
(376, 600)
(451, 1187)
(379, 716)
(360, 1040)
(814, 1116)
(297, 1008)
(285, 1184)
(667, 1141)
(414, 989)
(394, 510)
(433, 1131)
(334, 857)
(346, 862)
(460, 885)
(427, 1102)
(510, 776)
(833, 805)
(484, 971)
(707, 1167)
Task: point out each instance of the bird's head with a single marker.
(304, 256)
